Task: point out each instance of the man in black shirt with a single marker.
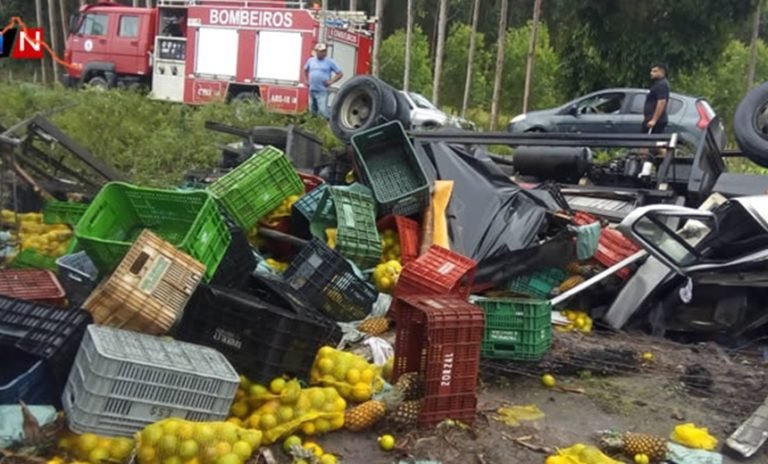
(655, 110)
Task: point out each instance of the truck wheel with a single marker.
(362, 103)
(750, 125)
(98, 82)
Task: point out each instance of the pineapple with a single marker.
(569, 283)
(365, 415)
(653, 446)
(374, 326)
(406, 415)
(411, 385)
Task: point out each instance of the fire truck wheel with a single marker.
(403, 110)
(750, 124)
(98, 82)
(362, 102)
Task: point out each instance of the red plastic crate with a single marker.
(439, 337)
(310, 182)
(439, 272)
(582, 219)
(462, 407)
(614, 247)
(409, 233)
(36, 285)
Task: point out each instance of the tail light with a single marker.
(705, 115)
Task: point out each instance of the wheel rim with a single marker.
(356, 109)
(760, 121)
(97, 84)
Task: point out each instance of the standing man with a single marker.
(655, 110)
(321, 72)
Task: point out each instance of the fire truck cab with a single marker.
(197, 51)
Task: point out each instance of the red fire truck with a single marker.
(197, 51)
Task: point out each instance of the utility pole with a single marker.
(439, 51)
(54, 39)
(352, 5)
(323, 18)
(753, 47)
(135, 3)
(39, 18)
(149, 3)
(531, 55)
(499, 63)
(64, 22)
(377, 37)
(408, 42)
(470, 58)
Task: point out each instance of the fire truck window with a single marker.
(129, 26)
(279, 56)
(216, 51)
(94, 24)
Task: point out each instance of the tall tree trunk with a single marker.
(379, 7)
(64, 23)
(135, 3)
(408, 42)
(54, 37)
(753, 47)
(531, 55)
(39, 18)
(352, 5)
(499, 63)
(323, 19)
(470, 58)
(149, 3)
(439, 51)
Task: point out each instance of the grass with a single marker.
(152, 142)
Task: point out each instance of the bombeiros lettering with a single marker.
(251, 18)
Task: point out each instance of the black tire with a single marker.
(98, 82)
(403, 110)
(362, 103)
(246, 97)
(750, 125)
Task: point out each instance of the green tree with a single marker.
(722, 84)
(613, 42)
(545, 90)
(393, 60)
(455, 68)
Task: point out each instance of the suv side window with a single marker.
(675, 105)
(94, 24)
(129, 26)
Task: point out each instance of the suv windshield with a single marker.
(421, 102)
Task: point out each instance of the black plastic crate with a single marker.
(260, 339)
(325, 279)
(335, 173)
(78, 275)
(46, 332)
(239, 260)
(24, 378)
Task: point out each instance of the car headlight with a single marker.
(518, 118)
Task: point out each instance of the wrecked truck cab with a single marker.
(732, 239)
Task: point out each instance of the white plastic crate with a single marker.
(122, 381)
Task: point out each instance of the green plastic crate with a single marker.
(190, 221)
(30, 258)
(516, 329)
(258, 186)
(352, 212)
(63, 212)
(539, 284)
(388, 164)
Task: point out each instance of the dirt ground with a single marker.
(652, 397)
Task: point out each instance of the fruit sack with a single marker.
(176, 441)
(352, 376)
(95, 449)
(285, 408)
